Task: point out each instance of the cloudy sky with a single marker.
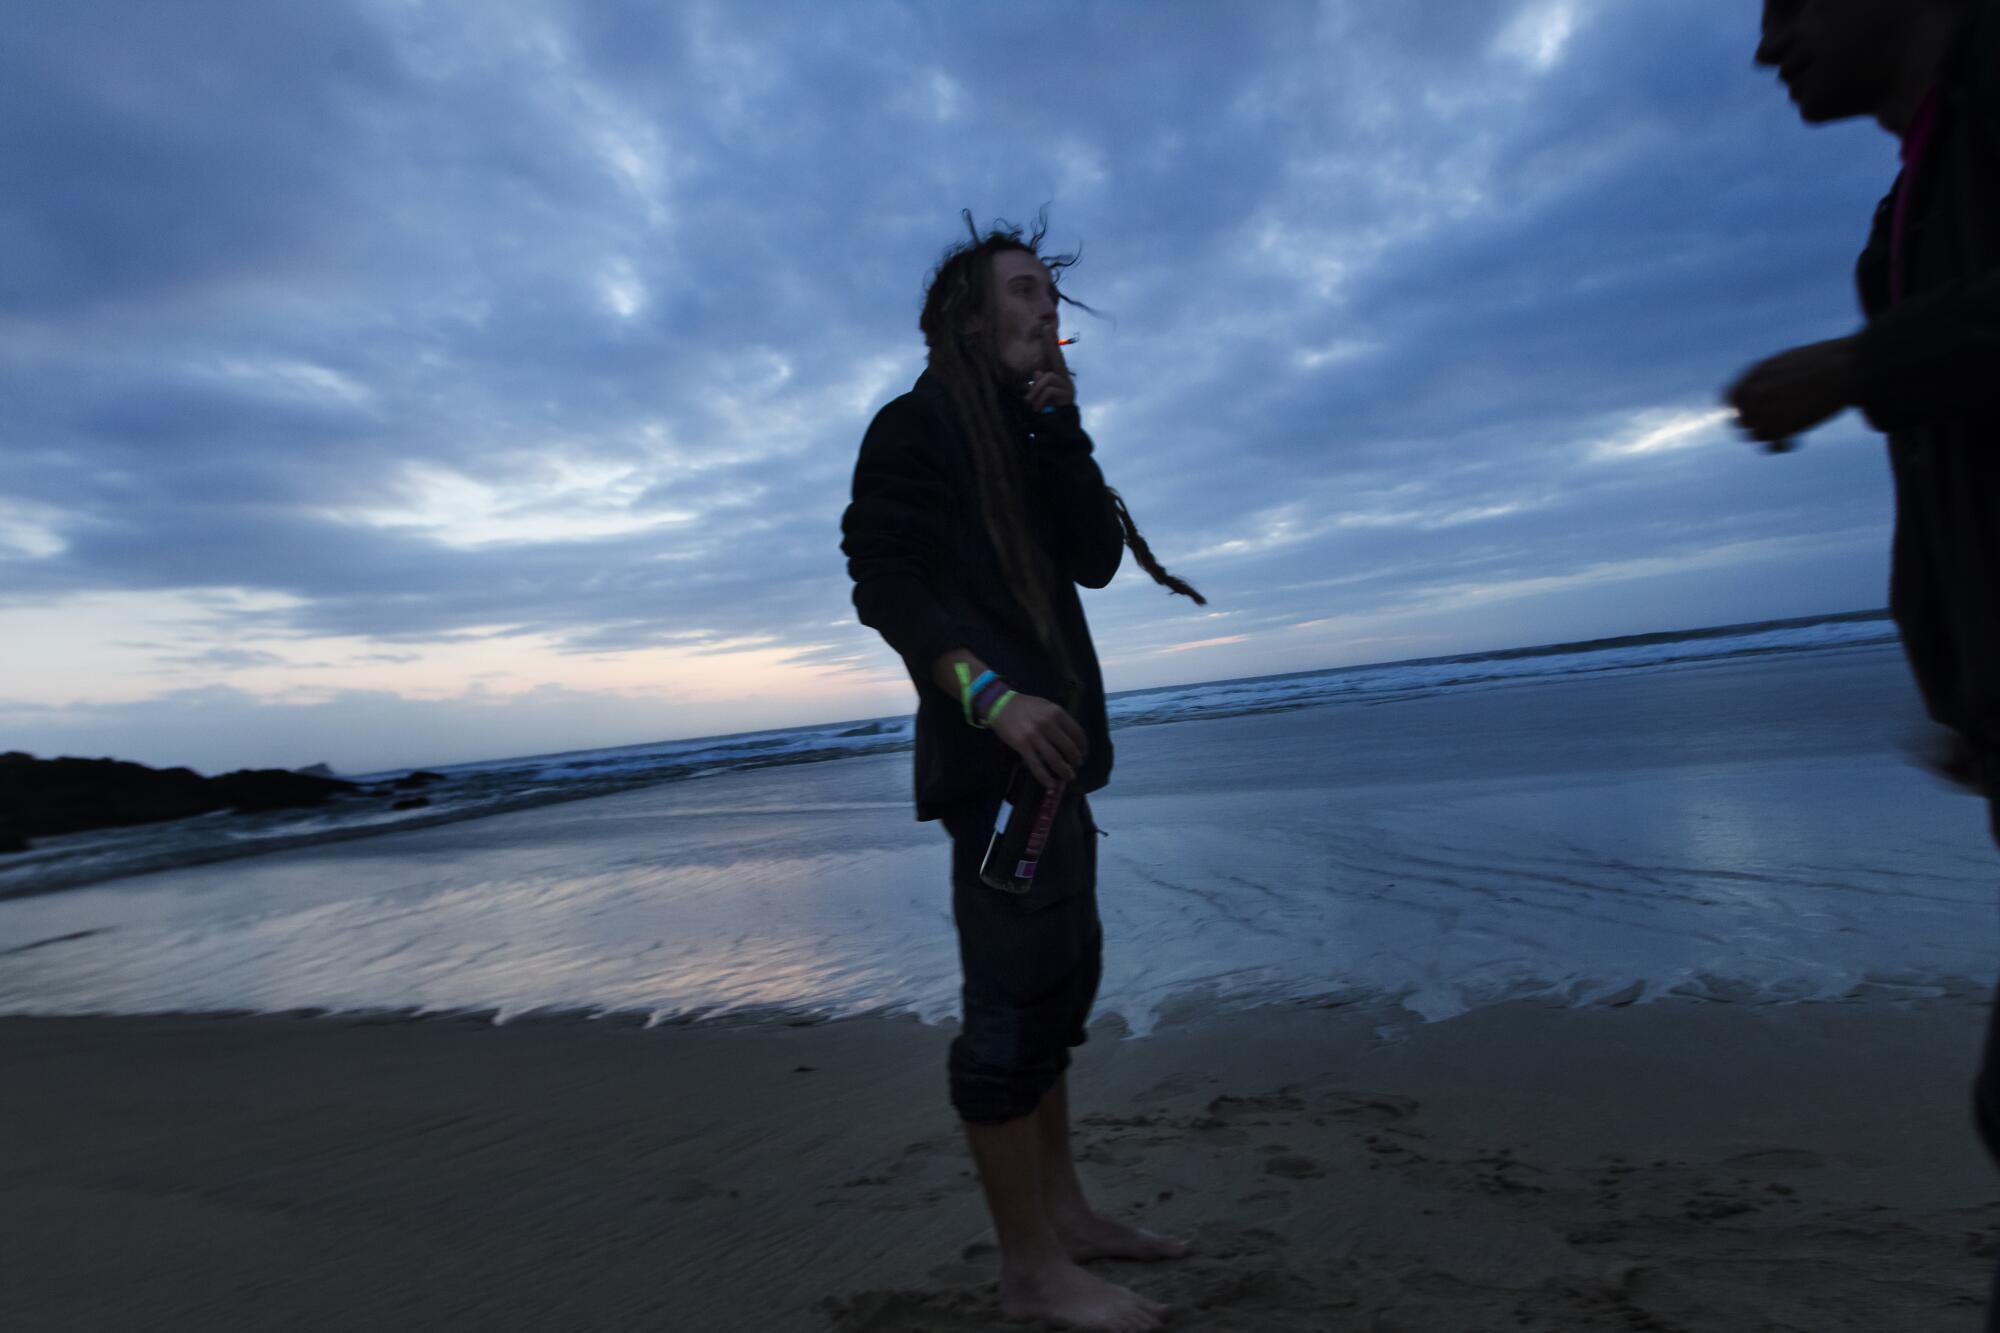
(392, 382)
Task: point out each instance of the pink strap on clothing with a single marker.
(1916, 144)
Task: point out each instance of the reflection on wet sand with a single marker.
(1592, 840)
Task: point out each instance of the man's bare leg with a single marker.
(1083, 1231)
(1037, 1278)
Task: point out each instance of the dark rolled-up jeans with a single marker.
(1031, 964)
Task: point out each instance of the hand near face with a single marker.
(1051, 385)
(1794, 391)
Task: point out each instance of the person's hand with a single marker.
(1049, 741)
(1051, 386)
(1792, 392)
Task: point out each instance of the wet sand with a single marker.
(1703, 839)
(1723, 829)
(1683, 1165)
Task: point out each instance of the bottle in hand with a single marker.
(1021, 832)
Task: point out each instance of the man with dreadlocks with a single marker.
(977, 512)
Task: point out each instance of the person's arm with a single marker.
(1063, 477)
(1090, 541)
(1935, 354)
(1792, 392)
(892, 537)
(1050, 742)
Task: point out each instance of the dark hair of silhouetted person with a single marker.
(957, 323)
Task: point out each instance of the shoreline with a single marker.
(1194, 1006)
(61, 875)
(1735, 832)
(1673, 1165)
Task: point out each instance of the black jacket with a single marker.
(1930, 368)
(928, 579)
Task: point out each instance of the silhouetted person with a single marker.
(1926, 366)
(977, 512)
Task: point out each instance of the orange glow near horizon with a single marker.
(124, 648)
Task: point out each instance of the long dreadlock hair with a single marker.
(957, 324)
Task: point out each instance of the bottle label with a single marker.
(1024, 823)
(1045, 819)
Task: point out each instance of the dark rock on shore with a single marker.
(250, 790)
(420, 778)
(43, 797)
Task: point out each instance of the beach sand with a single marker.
(1681, 1165)
(1286, 896)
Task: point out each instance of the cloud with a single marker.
(232, 659)
(419, 328)
(216, 728)
(1219, 641)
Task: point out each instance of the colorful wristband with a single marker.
(982, 699)
(964, 674)
(969, 689)
(1005, 699)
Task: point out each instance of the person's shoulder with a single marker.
(913, 421)
(906, 409)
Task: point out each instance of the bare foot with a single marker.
(1100, 1237)
(1065, 1294)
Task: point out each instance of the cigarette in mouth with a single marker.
(1069, 341)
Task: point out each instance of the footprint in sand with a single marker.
(1381, 1107)
(1387, 1147)
(1776, 1158)
(1284, 1101)
(1711, 1206)
(1219, 1245)
(1102, 1154)
(976, 1263)
(1499, 1172)
(909, 1312)
(1098, 1120)
(1173, 1085)
(1264, 1206)
(934, 1169)
(1247, 1292)
(1143, 1131)
(1219, 1126)
(1293, 1166)
(1218, 1133)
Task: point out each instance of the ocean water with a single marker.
(1736, 818)
(478, 790)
